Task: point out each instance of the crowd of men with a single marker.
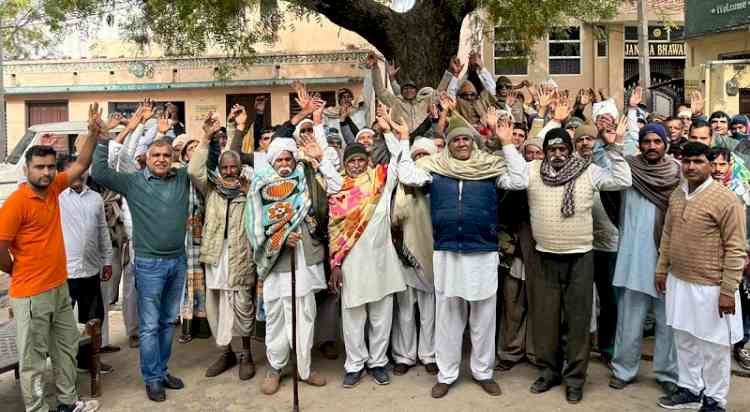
(550, 223)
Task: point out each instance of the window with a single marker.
(564, 48)
(328, 96)
(510, 56)
(128, 108)
(631, 33)
(601, 35)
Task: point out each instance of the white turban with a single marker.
(298, 129)
(605, 107)
(361, 132)
(279, 145)
(685, 113)
(423, 145)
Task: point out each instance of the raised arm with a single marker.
(96, 128)
(105, 242)
(197, 169)
(615, 177)
(382, 93)
(104, 175)
(517, 175)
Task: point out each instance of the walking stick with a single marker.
(295, 377)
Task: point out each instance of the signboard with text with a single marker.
(715, 16)
(668, 49)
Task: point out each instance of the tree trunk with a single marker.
(420, 41)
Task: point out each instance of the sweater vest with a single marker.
(553, 232)
(464, 214)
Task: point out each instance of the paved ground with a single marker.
(123, 390)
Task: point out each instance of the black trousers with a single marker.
(86, 293)
(562, 294)
(604, 273)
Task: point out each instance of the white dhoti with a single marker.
(380, 317)
(129, 299)
(277, 298)
(464, 280)
(230, 310)
(405, 344)
(703, 339)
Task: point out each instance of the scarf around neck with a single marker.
(351, 209)
(480, 166)
(655, 182)
(567, 176)
(276, 207)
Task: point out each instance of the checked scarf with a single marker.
(277, 206)
(351, 209)
(566, 176)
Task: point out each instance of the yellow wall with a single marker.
(708, 48)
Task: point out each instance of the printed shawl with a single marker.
(276, 207)
(351, 209)
(194, 294)
(655, 182)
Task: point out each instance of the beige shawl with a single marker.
(479, 166)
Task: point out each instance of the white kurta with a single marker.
(217, 276)
(694, 309)
(469, 276)
(373, 270)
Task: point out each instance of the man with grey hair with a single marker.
(158, 201)
(281, 224)
(225, 250)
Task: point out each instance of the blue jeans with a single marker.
(159, 282)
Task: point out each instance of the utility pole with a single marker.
(644, 68)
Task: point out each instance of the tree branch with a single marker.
(364, 17)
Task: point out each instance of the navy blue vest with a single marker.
(463, 220)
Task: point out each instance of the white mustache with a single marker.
(285, 169)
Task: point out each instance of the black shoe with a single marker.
(172, 382)
(543, 384)
(573, 395)
(155, 392)
(65, 408)
(380, 375)
(680, 399)
(668, 387)
(711, 405)
(618, 384)
(504, 365)
(352, 379)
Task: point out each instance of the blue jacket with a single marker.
(464, 214)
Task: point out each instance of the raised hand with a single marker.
(504, 131)
(148, 109)
(114, 120)
(562, 110)
(392, 71)
(455, 66)
(244, 184)
(383, 117)
(318, 105)
(240, 119)
(165, 123)
(546, 97)
(636, 98)
(622, 127)
(584, 98)
(511, 99)
(310, 147)
(95, 124)
(696, 102)
(603, 94)
(433, 111)
(303, 99)
(48, 139)
(210, 127)
(401, 128)
(135, 119)
(475, 60)
(447, 102)
(344, 111)
(490, 118)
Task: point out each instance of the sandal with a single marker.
(185, 338)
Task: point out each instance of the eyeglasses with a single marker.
(503, 87)
(469, 96)
(306, 130)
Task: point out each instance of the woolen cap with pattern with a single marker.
(355, 149)
(557, 136)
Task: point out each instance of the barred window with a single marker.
(564, 46)
(510, 57)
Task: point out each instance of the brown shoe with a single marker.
(315, 379)
(328, 349)
(490, 386)
(440, 390)
(226, 361)
(134, 341)
(247, 367)
(401, 369)
(432, 368)
(272, 382)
